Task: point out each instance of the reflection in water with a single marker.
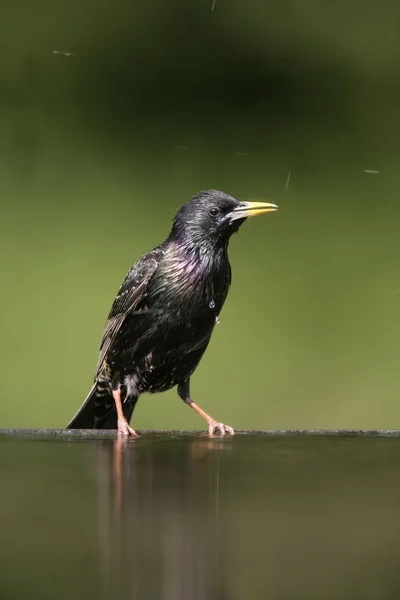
(199, 518)
(159, 520)
(193, 518)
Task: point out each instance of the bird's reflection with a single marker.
(159, 526)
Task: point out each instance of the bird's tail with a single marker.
(98, 411)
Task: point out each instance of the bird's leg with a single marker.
(213, 425)
(123, 426)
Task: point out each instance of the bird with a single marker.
(164, 314)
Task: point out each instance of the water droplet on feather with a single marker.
(212, 304)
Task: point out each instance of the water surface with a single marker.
(179, 517)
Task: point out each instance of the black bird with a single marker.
(164, 314)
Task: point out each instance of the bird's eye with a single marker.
(214, 211)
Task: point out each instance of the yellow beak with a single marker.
(251, 209)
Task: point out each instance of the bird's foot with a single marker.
(124, 430)
(213, 426)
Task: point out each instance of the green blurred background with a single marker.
(156, 102)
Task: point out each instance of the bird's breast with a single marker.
(180, 309)
(192, 286)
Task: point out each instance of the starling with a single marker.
(164, 314)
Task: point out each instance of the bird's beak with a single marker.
(251, 209)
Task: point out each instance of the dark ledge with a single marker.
(111, 434)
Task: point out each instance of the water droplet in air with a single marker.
(212, 304)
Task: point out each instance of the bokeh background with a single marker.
(156, 101)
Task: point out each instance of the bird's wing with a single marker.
(129, 295)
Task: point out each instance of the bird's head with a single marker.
(212, 217)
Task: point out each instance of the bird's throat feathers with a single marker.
(193, 279)
(196, 263)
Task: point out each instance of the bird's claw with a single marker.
(124, 430)
(213, 426)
